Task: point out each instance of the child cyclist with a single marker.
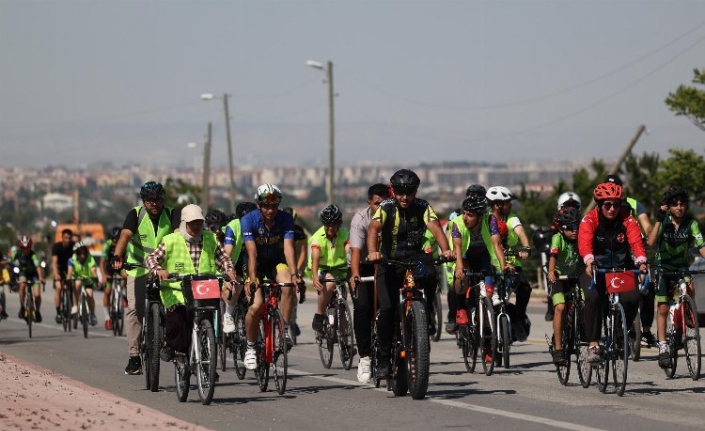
(328, 258)
(674, 232)
(82, 268)
(563, 260)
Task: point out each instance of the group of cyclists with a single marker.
(483, 236)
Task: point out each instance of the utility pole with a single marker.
(230, 153)
(331, 134)
(206, 169)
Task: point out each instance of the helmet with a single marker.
(330, 214)
(568, 199)
(115, 232)
(674, 194)
(291, 211)
(79, 245)
(217, 217)
(268, 194)
(606, 191)
(152, 190)
(405, 179)
(614, 178)
(25, 242)
(244, 207)
(567, 216)
(499, 193)
(475, 189)
(476, 204)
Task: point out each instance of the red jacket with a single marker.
(609, 243)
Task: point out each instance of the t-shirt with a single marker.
(63, 254)
(672, 248)
(269, 242)
(568, 260)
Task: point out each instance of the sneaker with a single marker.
(37, 316)
(228, 323)
(317, 324)
(594, 355)
(108, 325)
(297, 330)
(549, 315)
(74, 309)
(134, 366)
(250, 359)
(648, 339)
(289, 342)
(364, 371)
(94, 320)
(558, 357)
(664, 356)
(383, 369)
(57, 319)
(461, 317)
(519, 332)
(487, 354)
(451, 327)
(166, 354)
(21, 313)
(431, 328)
(495, 299)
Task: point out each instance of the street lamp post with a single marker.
(331, 125)
(209, 96)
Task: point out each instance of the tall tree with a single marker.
(643, 184)
(690, 101)
(686, 169)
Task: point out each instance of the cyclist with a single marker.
(301, 247)
(217, 222)
(269, 240)
(31, 271)
(109, 272)
(608, 235)
(563, 260)
(143, 230)
(61, 252)
(363, 300)
(233, 241)
(674, 232)
(83, 265)
(649, 292)
(500, 199)
(191, 250)
(398, 226)
(328, 258)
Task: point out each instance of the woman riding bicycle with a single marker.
(608, 237)
(83, 269)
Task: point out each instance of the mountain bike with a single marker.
(337, 327)
(682, 330)
(84, 314)
(117, 305)
(478, 333)
(271, 341)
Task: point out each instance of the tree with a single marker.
(684, 168)
(690, 101)
(177, 187)
(644, 183)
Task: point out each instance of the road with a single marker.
(527, 395)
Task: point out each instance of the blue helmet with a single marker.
(152, 190)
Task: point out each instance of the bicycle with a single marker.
(84, 313)
(437, 316)
(337, 327)
(301, 290)
(117, 305)
(614, 344)
(65, 303)
(573, 338)
(478, 334)
(29, 305)
(271, 341)
(682, 326)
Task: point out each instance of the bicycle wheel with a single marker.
(292, 325)
(279, 356)
(398, 382)
(84, 313)
(486, 335)
(29, 308)
(563, 371)
(602, 368)
(437, 316)
(152, 345)
(374, 351)
(691, 337)
(670, 370)
(325, 343)
(119, 318)
(223, 339)
(182, 376)
(208, 361)
(66, 309)
(620, 350)
(239, 344)
(635, 338)
(469, 346)
(417, 350)
(262, 370)
(581, 345)
(346, 336)
(503, 343)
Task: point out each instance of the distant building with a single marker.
(57, 202)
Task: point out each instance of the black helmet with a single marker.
(216, 217)
(244, 207)
(115, 232)
(475, 189)
(405, 179)
(330, 214)
(476, 204)
(291, 211)
(567, 216)
(675, 194)
(152, 190)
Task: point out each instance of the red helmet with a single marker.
(607, 191)
(25, 243)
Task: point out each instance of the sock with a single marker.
(230, 309)
(251, 344)
(57, 310)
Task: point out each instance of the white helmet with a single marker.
(568, 197)
(499, 193)
(268, 194)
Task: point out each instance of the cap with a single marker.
(191, 212)
(613, 178)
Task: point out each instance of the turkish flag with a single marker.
(618, 282)
(205, 289)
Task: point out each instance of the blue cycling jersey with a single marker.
(229, 238)
(269, 242)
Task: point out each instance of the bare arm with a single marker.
(373, 240)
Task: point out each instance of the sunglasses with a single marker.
(571, 227)
(609, 205)
(214, 228)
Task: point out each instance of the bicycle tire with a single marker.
(84, 313)
(280, 361)
(581, 346)
(262, 370)
(239, 344)
(66, 309)
(437, 317)
(670, 370)
(292, 325)
(563, 371)
(503, 333)
(153, 345)
(182, 377)
(691, 335)
(29, 308)
(487, 352)
(119, 323)
(325, 343)
(346, 335)
(620, 351)
(223, 339)
(417, 350)
(374, 352)
(635, 338)
(208, 363)
(469, 346)
(602, 368)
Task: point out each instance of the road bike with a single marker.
(682, 330)
(337, 327)
(28, 304)
(301, 290)
(65, 304)
(118, 299)
(235, 343)
(84, 313)
(478, 333)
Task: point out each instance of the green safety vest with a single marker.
(332, 256)
(178, 261)
(512, 241)
(144, 242)
(237, 231)
(430, 244)
(83, 269)
(465, 236)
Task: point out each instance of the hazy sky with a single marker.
(86, 81)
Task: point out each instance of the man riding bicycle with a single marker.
(61, 252)
(27, 261)
(398, 226)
